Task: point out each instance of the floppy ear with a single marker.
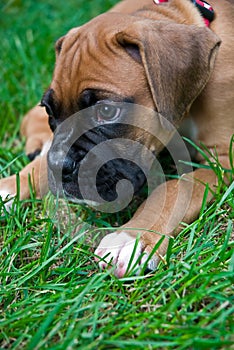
(58, 45)
(178, 60)
(59, 42)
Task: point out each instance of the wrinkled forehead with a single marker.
(104, 24)
(89, 57)
(96, 37)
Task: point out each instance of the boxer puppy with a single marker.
(163, 55)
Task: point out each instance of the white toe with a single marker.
(110, 247)
(124, 252)
(8, 198)
(129, 257)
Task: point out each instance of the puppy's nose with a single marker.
(69, 166)
(62, 166)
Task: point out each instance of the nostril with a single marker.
(69, 166)
(61, 165)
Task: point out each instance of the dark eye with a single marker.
(107, 112)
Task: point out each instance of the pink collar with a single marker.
(203, 7)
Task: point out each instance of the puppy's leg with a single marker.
(167, 206)
(35, 128)
(36, 172)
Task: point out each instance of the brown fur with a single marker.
(206, 89)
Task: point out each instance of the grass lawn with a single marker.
(52, 293)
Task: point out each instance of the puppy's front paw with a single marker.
(7, 191)
(125, 253)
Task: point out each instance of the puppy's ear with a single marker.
(58, 45)
(178, 60)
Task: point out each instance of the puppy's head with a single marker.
(103, 67)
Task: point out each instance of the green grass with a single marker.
(52, 294)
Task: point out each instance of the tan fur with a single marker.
(35, 129)
(211, 92)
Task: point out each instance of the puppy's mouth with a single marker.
(94, 180)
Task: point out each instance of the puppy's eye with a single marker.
(107, 112)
